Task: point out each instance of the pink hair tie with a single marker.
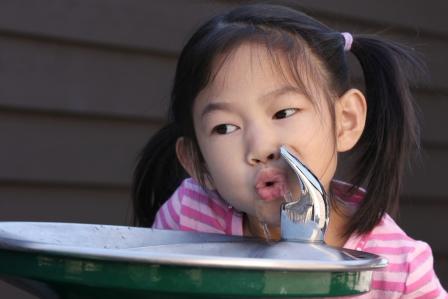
(348, 41)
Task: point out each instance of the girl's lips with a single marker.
(270, 184)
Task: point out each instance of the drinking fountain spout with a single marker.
(305, 218)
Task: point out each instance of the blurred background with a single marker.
(84, 84)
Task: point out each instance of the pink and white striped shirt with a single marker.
(410, 272)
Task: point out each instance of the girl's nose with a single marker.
(262, 158)
(261, 148)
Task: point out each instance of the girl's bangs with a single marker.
(290, 56)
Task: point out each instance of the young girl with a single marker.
(261, 76)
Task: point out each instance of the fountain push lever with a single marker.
(305, 218)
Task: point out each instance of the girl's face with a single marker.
(243, 117)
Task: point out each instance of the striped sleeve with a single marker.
(422, 281)
(191, 208)
(168, 216)
(204, 211)
(410, 272)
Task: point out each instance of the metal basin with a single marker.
(62, 260)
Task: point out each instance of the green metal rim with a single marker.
(69, 274)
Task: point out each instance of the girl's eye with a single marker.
(224, 129)
(285, 113)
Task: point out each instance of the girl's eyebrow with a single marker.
(280, 91)
(213, 106)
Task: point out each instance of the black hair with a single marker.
(391, 128)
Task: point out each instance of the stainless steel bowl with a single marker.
(62, 260)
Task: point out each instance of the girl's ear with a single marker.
(185, 155)
(351, 112)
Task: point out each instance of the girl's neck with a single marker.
(253, 228)
(337, 225)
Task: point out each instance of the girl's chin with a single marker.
(269, 221)
(268, 214)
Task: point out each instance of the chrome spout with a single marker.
(305, 218)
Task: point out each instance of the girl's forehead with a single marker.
(246, 65)
(257, 65)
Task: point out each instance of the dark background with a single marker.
(84, 83)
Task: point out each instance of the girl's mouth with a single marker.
(270, 184)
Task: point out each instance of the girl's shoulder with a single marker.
(410, 270)
(194, 208)
(387, 233)
(387, 237)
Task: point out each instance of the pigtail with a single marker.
(391, 130)
(157, 175)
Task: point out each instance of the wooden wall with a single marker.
(83, 84)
